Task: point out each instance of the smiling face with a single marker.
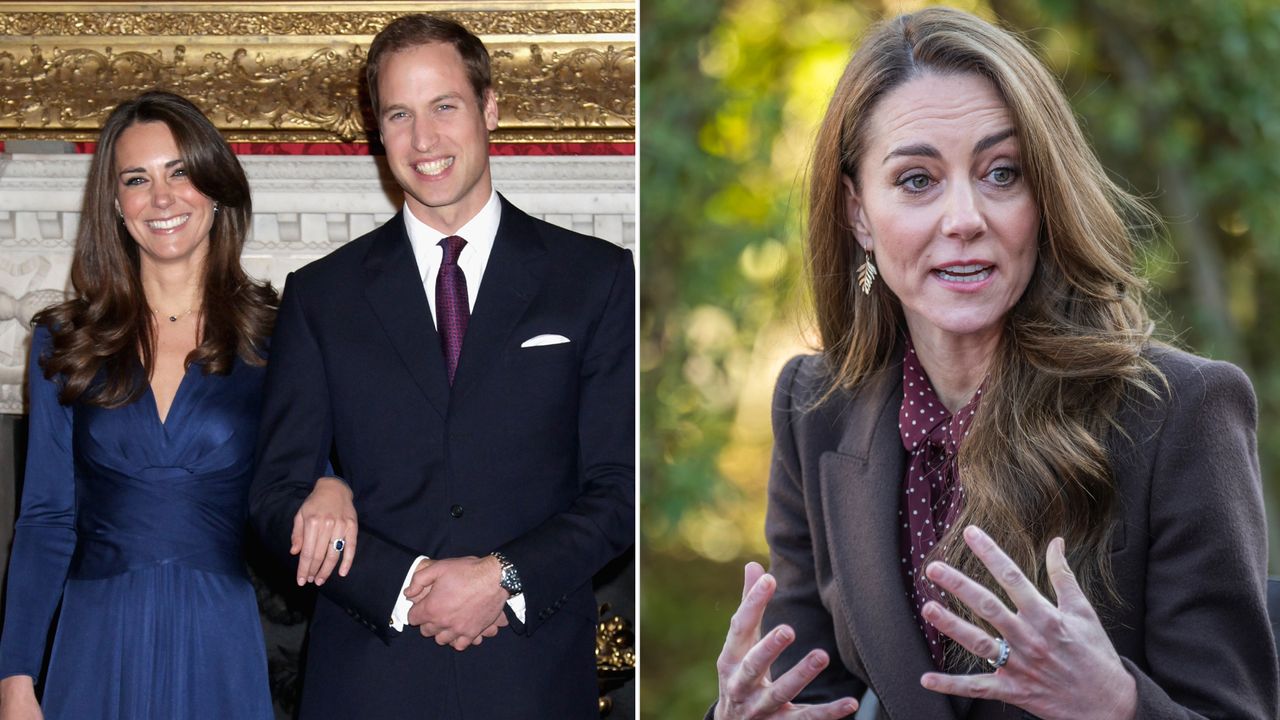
(943, 204)
(436, 133)
(163, 211)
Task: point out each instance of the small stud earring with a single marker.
(867, 274)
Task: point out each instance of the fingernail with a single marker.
(763, 585)
(816, 661)
(319, 582)
(785, 634)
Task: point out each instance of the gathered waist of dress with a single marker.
(125, 523)
(100, 557)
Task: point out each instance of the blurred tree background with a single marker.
(1182, 102)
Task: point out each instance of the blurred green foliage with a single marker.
(1182, 102)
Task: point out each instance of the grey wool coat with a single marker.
(1189, 552)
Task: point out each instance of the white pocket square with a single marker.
(540, 340)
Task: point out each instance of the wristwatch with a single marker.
(510, 580)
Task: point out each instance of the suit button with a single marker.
(456, 511)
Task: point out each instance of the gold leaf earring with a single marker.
(866, 274)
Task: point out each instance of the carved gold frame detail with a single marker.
(564, 70)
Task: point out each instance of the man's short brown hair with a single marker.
(413, 30)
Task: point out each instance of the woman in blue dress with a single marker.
(144, 397)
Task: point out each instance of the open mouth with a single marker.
(964, 273)
(433, 167)
(169, 223)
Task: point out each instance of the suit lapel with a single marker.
(512, 276)
(393, 287)
(861, 483)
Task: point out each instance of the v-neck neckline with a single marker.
(177, 395)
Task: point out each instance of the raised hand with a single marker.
(328, 514)
(746, 690)
(1060, 662)
(457, 601)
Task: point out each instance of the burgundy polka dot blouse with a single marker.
(932, 495)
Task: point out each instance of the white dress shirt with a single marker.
(479, 232)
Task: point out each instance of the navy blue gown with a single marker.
(136, 527)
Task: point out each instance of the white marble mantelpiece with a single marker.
(304, 207)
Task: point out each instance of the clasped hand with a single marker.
(458, 601)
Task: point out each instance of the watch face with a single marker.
(510, 581)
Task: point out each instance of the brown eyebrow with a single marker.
(451, 95)
(929, 151)
(992, 140)
(389, 107)
(167, 165)
(921, 150)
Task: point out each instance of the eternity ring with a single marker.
(339, 544)
(1003, 656)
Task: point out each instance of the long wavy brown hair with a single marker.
(104, 336)
(1034, 464)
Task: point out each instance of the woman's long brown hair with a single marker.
(104, 336)
(1034, 464)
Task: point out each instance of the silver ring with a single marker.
(1003, 656)
(339, 544)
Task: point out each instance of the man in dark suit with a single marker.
(469, 370)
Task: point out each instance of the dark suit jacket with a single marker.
(1189, 553)
(531, 452)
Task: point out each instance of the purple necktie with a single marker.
(452, 309)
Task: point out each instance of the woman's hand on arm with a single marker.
(328, 514)
(746, 690)
(18, 699)
(1061, 664)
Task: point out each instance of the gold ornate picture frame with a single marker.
(564, 71)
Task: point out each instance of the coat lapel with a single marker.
(393, 287)
(515, 270)
(860, 484)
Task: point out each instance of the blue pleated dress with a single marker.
(136, 527)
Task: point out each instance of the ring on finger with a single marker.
(339, 544)
(1002, 656)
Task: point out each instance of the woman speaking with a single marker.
(993, 495)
